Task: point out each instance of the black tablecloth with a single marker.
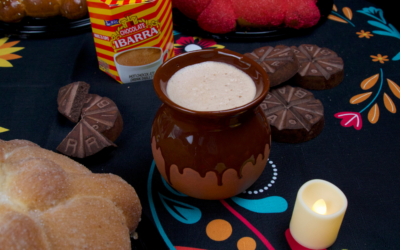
(361, 160)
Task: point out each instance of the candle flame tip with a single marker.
(319, 207)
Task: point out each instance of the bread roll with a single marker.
(48, 201)
(15, 10)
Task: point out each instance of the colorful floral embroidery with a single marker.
(218, 229)
(339, 18)
(354, 119)
(186, 44)
(249, 225)
(350, 119)
(6, 51)
(387, 28)
(380, 58)
(366, 34)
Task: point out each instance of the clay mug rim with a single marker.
(169, 67)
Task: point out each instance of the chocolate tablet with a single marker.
(319, 68)
(101, 124)
(83, 141)
(71, 98)
(103, 115)
(280, 62)
(293, 114)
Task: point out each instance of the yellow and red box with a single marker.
(129, 24)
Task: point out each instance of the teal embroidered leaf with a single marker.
(394, 31)
(272, 204)
(182, 212)
(380, 25)
(381, 15)
(382, 33)
(396, 57)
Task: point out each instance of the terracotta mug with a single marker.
(211, 154)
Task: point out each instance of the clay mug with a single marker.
(210, 154)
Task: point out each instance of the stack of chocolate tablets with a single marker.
(100, 120)
(293, 112)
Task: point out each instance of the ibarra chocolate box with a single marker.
(132, 37)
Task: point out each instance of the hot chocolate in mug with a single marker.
(211, 155)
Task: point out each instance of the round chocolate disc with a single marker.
(100, 125)
(103, 115)
(319, 68)
(293, 114)
(280, 62)
(71, 98)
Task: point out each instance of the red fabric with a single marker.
(293, 243)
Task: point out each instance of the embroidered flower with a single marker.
(379, 58)
(350, 119)
(6, 51)
(362, 34)
(186, 44)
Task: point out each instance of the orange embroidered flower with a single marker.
(6, 52)
(379, 58)
(362, 34)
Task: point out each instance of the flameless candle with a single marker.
(317, 215)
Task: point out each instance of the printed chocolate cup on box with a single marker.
(139, 64)
(211, 154)
(121, 26)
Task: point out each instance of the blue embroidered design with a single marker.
(387, 28)
(183, 212)
(272, 204)
(153, 209)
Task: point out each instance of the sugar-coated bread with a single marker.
(15, 10)
(221, 16)
(193, 8)
(48, 201)
(215, 20)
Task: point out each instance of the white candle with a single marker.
(318, 214)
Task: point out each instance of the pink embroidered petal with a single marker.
(179, 51)
(205, 43)
(350, 119)
(185, 40)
